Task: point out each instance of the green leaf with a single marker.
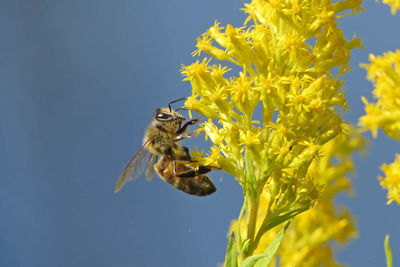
(388, 252)
(276, 220)
(245, 247)
(231, 255)
(252, 260)
(250, 175)
(273, 247)
(239, 236)
(262, 260)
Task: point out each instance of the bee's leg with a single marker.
(179, 138)
(186, 155)
(194, 172)
(184, 127)
(173, 167)
(184, 136)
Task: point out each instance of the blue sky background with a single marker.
(79, 82)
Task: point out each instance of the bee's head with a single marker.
(168, 117)
(164, 115)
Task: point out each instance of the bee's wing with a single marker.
(150, 167)
(134, 168)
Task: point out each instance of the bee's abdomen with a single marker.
(200, 185)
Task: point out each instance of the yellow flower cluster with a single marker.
(308, 241)
(269, 119)
(391, 182)
(394, 4)
(384, 71)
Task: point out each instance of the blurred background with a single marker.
(79, 82)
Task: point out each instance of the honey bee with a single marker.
(164, 155)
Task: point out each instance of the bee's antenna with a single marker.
(169, 104)
(182, 108)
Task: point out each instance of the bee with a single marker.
(163, 154)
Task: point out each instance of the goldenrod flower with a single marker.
(308, 240)
(291, 57)
(384, 72)
(391, 182)
(394, 4)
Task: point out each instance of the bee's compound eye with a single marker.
(163, 116)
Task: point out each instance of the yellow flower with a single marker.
(394, 4)
(308, 239)
(384, 72)
(392, 180)
(290, 58)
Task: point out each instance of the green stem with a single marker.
(239, 235)
(252, 210)
(388, 252)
